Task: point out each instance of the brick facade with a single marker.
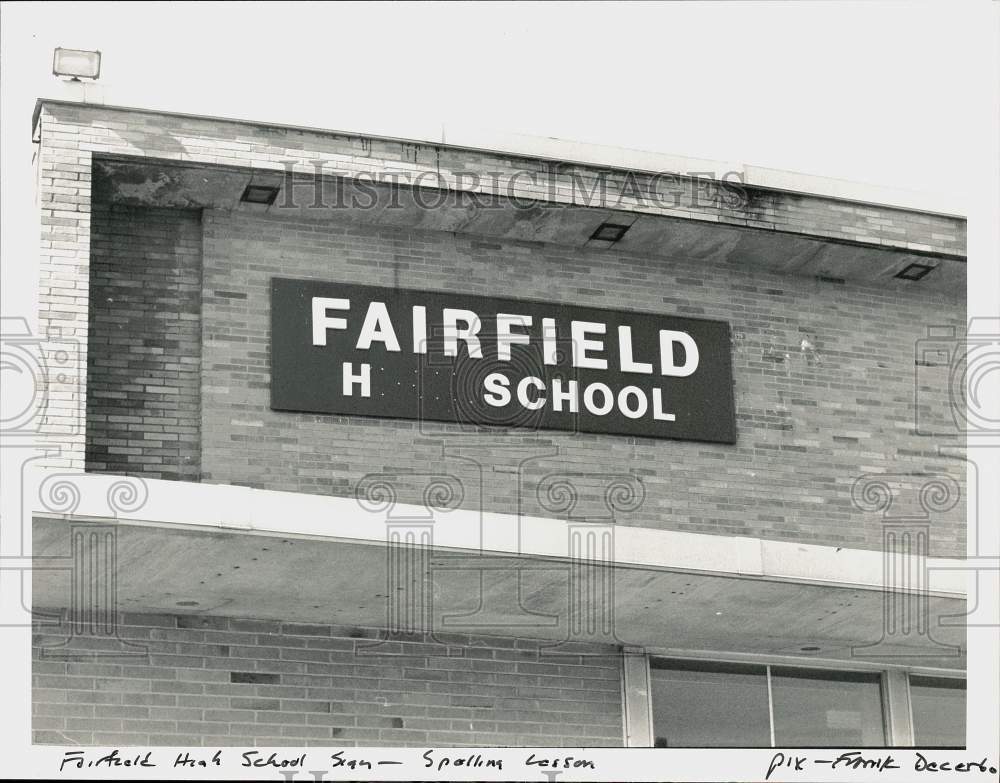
(170, 308)
(143, 374)
(824, 373)
(216, 681)
(71, 135)
(64, 195)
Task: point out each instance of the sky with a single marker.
(867, 92)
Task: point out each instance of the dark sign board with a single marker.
(494, 362)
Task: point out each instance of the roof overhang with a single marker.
(244, 552)
(439, 204)
(478, 139)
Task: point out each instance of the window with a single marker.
(708, 704)
(822, 708)
(938, 708)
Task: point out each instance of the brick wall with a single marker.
(144, 374)
(213, 681)
(72, 134)
(63, 168)
(824, 375)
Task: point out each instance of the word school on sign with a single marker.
(395, 353)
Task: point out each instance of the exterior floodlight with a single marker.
(609, 232)
(76, 64)
(914, 272)
(260, 194)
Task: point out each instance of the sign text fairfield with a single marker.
(493, 362)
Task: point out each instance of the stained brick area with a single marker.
(144, 370)
(215, 681)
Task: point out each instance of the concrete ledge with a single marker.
(195, 505)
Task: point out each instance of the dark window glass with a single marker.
(826, 709)
(938, 705)
(709, 705)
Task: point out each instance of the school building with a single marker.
(360, 440)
